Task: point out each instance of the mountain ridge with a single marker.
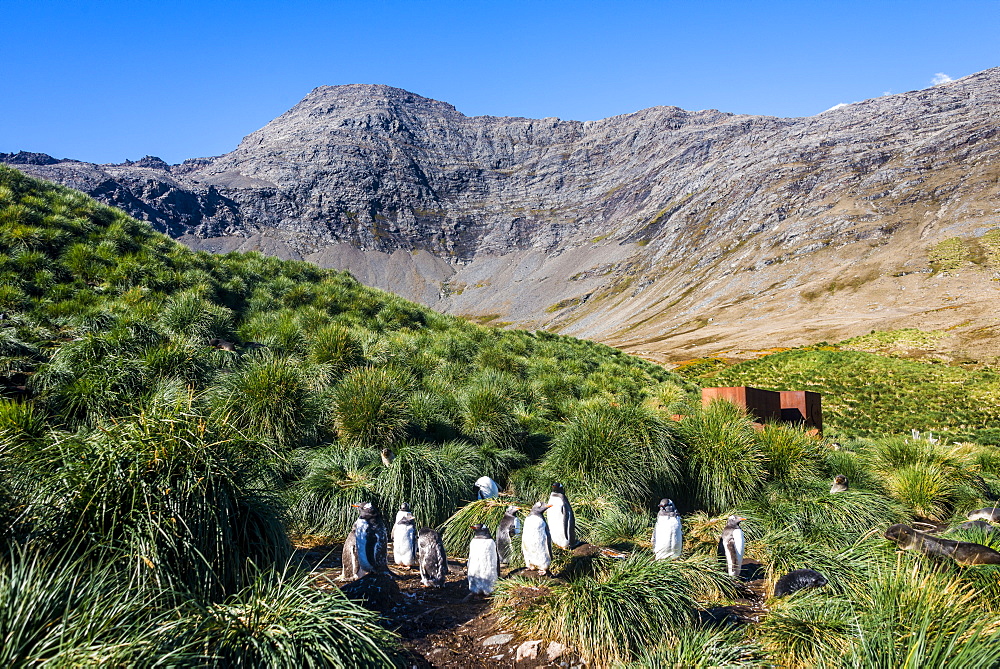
(649, 230)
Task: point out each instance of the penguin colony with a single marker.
(366, 547)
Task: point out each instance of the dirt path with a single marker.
(439, 627)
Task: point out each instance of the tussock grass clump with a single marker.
(334, 478)
(910, 616)
(181, 499)
(271, 399)
(933, 479)
(370, 406)
(835, 520)
(487, 410)
(336, 347)
(456, 531)
(725, 465)
(694, 646)
(607, 617)
(807, 630)
(782, 551)
(62, 610)
(620, 527)
(432, 479)
(790, 455)
(280, 620)
(624, 449)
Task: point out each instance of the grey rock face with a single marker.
(455, 211)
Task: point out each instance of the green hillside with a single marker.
(867, 394)
(171, 421)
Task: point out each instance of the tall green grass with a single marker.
(607, 617)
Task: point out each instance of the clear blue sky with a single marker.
(106, 81)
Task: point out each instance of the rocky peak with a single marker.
(28, 158)
(589, 227)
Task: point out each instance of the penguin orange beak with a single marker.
(356, 506)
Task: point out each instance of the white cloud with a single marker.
(940, 78)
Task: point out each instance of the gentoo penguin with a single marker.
(536, 542)
(992, 514)
(387, 456)
(509, 527)
(731, 545)
(560, 518)
(433, 561)
(404, 538)
(962, 552)
(365, 547)
(839, 483)
(486, 488)
(667, 534)
(484, 564)
(799, 579)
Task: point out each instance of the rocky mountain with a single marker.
(666, 232)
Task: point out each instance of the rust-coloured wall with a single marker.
(802, 405)
(764, 405)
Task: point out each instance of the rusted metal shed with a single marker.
(793, 406)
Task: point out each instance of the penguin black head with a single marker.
(667, 504)
(404, 507)
(840, 479)
(539, 508)
(368, 510)
(481, 531)
(734, 521)
(511, 511)
(558, 489)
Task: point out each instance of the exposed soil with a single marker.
(443, 627)
(447, 627)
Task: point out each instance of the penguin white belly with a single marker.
(483, 566)
(668, 538)
(535, 541)
(558, 518)
(361, 537)
(404, 540)
(734, 558)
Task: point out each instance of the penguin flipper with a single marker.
(732, 556)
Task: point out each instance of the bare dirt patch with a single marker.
(440, 627)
